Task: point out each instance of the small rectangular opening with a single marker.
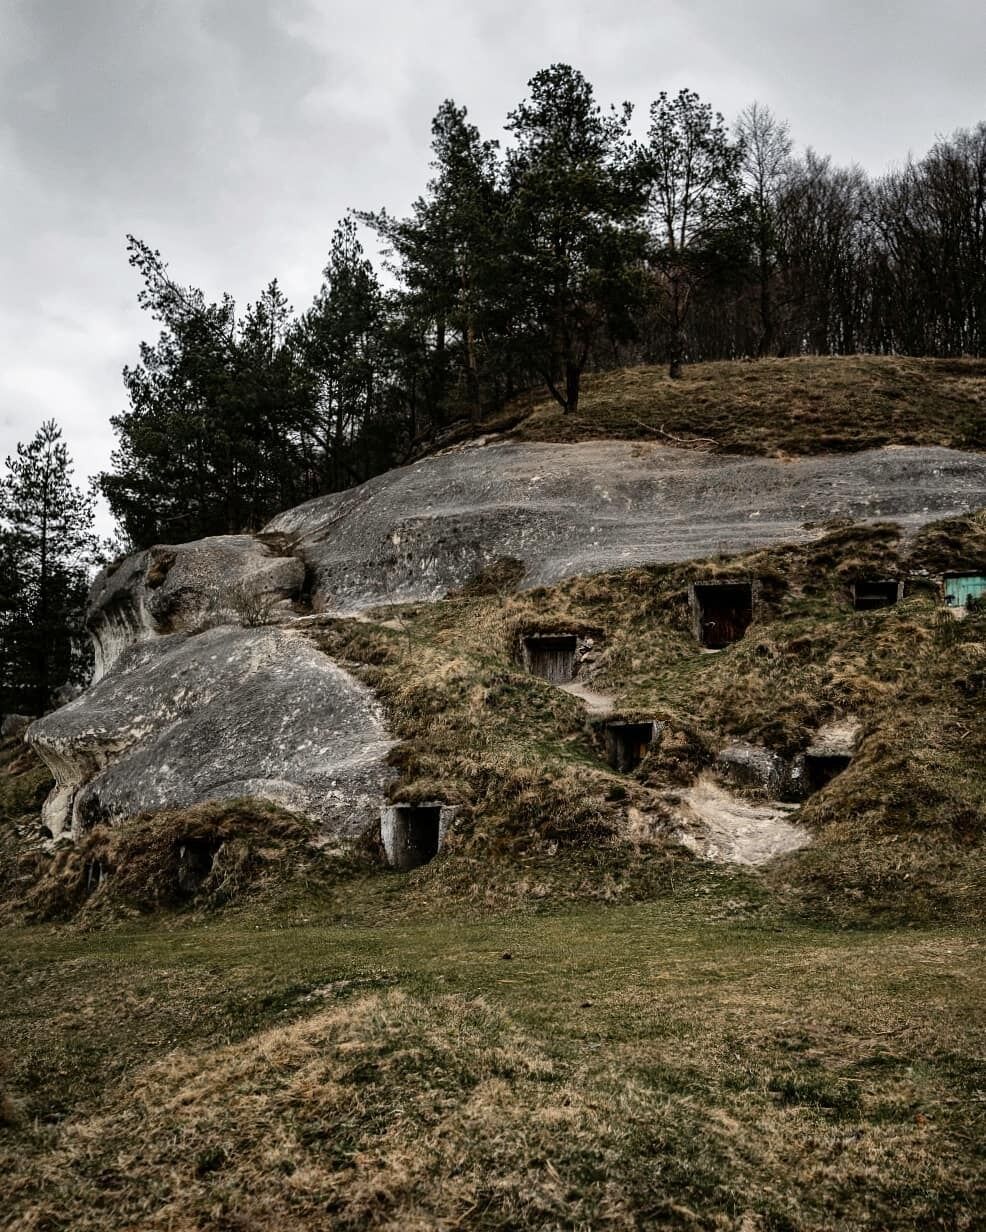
(550, 656)
(821, 768)
(415, 834)
(961, 587)
(724, 612)
(627, 744)
(875, 593)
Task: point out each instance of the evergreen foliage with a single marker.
(46, 545)
(571, 248)
(696, 207)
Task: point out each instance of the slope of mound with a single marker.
(899, 833)
(809, 404)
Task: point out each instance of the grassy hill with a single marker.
(776, 406)
(567, 1020)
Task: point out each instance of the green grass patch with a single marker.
(625, 1066)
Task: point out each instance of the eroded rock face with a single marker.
(752, 765)
(419, 531)
(185, 587)
(229, 712)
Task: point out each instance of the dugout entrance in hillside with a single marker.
(411, 834)
(721, 612)
(822, 768)
(873, 593)
(627, 744)
(550, 656)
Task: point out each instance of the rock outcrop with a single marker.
(175, 588)
(201, 692)
(414, 533)
(228, 712)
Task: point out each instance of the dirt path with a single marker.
(719, 826)
(595, 703)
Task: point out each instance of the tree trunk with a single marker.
(573, 379)
(677, 354)
(766, 305)
(472, 375)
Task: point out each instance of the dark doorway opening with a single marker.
(627, 744)
(724, 611)
(416, 835)
(872, 594)
(821, 768)
(551, 656)
(196, 857)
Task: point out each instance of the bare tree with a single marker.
(695, 201)
(766, 145)
(823, 244)
(931, 218)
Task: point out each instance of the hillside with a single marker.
(803, 405)
(701, 947)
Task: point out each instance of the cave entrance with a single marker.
(411, 833)
(627, 744)
(550, 656)
(875, 593)
(821, 768)
(196, 857)
(723, 612)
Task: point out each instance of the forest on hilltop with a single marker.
(574, 246)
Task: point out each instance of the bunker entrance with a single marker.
(875, 593)
(821, 768)
(550, 656)
(960, 588)
(412, 834)
(724, 612)
(196, 857)
(627, 744)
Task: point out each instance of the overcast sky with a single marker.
(233, 134)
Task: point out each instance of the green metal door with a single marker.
(961, 587)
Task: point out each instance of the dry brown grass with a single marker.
(24, 783)
(523, 763)
(201, 858)
(802, 405)
(687, 1077)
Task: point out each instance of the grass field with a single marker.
(669, 1064)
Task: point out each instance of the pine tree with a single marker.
(339, 339)
(445, 254)
(46, 545)
(212, 442)
(575, 240)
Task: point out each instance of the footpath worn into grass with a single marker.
(673, 1064)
